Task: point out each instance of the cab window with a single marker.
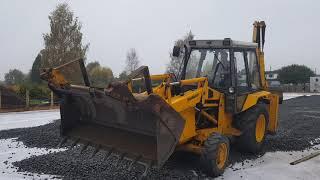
(241, 75)
(253, 69)
(211, 63)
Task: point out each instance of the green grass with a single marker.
(37, 101)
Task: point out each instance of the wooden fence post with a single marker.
(27, 99)
(51, 96)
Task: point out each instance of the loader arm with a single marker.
(115, 119)
(185, 104)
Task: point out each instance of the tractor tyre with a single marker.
(253, 124)
(215, 154)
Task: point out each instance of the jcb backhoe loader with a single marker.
(220, 96)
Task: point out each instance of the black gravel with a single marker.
(72, 165)
(45, 136)
(299, 123)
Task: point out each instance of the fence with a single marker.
(12, 101)
(9, 100)
(296, 87)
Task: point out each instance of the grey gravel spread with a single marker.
(299, 123)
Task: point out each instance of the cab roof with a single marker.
(225, 43)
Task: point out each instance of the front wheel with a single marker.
(253, 124)
(215, 154)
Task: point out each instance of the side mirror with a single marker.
(176, 51)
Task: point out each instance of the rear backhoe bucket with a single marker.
(140, 127)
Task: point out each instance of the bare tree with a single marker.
(175, 64)
(132, 61)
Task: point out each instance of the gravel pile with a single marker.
(299, 123)
(72, 165)
(45, 136)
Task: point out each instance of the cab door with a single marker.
(242, 79)
(246, 75)
(245, 78)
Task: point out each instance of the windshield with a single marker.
(211, 63)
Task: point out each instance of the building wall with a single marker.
(315, 84)
(272, 76)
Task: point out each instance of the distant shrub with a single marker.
(36, 91)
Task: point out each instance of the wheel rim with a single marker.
(260, 128)
(222, 155)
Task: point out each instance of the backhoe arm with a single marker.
(259, 28)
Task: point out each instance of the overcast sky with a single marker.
(113, 27)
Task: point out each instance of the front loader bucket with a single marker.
(140, 127)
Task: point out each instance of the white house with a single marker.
(272, 78)
(315, 84)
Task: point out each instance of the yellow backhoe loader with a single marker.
(220, 96)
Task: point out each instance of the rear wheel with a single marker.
(253, 124)
(215, 155)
